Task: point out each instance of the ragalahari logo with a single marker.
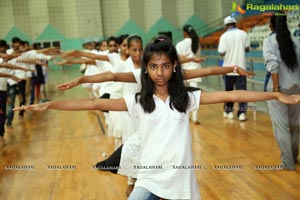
(237, 8)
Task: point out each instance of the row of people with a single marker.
(129, 60)
(21, 73)
(156, 80)
(161, 107)
(286, 126)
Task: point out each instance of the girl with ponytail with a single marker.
(281, 52)
(189, 47)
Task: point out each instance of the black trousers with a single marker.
(238, 83)
(22, 90)
(3, 98)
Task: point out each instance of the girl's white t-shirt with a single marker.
(137, 75)
(3, 83)
(131, 125)
(184, 48)
(116, 62)
(130, 88)
(166, 165)
(233, 43)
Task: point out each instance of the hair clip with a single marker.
(160, 41)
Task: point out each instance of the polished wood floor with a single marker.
(55, 151)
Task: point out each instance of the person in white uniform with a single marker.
(190, 48)
(15, 43)
(162, 107)
(233, 45)
(5, 73)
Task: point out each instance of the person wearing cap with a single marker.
(233, 45)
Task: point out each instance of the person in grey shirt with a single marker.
(281, 52)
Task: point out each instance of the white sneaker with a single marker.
(242, 117)
(229, 115)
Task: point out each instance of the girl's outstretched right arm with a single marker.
(76, 105)
(99, 78)
(246, 96)
(15, 67)
(10, 76)
(209, 71)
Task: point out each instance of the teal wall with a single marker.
(162, 25)
(15, 32)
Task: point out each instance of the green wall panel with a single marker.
(15, 32)
(198, 24)
(50, 33)
(162, 25)
(130, 27)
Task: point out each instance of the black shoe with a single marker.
(21, 113)
(101, 165)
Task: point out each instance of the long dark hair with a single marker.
(121, 38)
(285, 42)
(134, 38)
(193, 35)
(179, 98)
(112, 38)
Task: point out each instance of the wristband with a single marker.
(235, 69)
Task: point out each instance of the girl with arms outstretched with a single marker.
(162, 107)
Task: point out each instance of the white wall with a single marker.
(153, 11)
(38, 16)
(115, 15)
(184, 10)
(97, 18)
(6, 16)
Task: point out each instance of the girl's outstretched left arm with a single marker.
(77, 61)
(185, 59)
(15, 67)
(76, 105)
(246, 96)
(77, 53)
(99, 78)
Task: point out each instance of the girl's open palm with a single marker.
(289, 99)
(68, 85)
(243, 72)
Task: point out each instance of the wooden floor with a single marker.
(44, 142)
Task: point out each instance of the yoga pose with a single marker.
(162, 108)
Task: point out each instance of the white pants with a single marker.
(194, 113)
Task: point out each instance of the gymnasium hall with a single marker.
(68, 70)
